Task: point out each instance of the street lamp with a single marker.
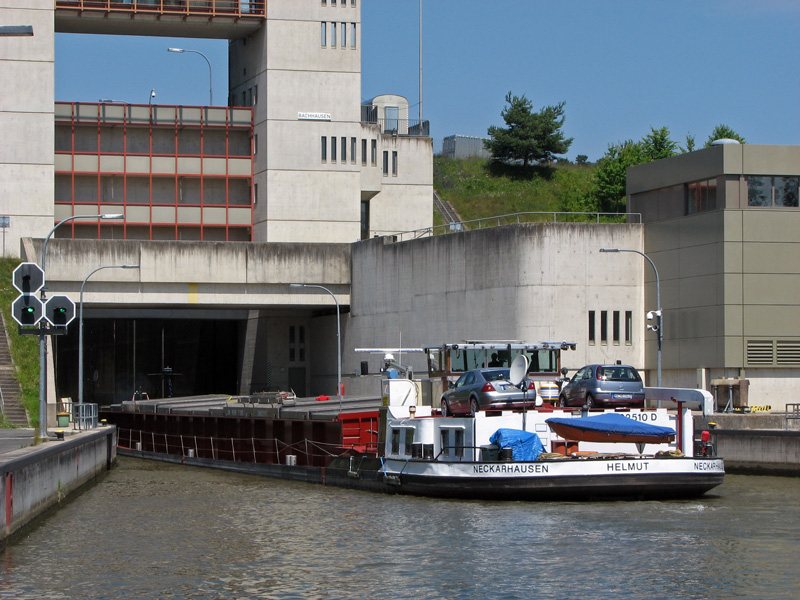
(210, 87)
(152, 95)
(42, 340)
(80, 325)
(338, 335)
(659, 322)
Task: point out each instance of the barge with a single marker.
(401, 444)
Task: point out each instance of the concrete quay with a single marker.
(37, 478)
(757, 443)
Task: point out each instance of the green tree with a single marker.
(611, 175)
(529, 136)
(721, 132)
(581, 159)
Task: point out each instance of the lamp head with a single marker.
(175, 50)
(609, 249)
(111, 216)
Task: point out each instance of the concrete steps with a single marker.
(12, 393)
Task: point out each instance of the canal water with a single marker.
(152, 530)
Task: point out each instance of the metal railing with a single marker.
(513, 219)
(399, 127)
(238, 8)
(792, 413)
(250, 450)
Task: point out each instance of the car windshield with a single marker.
(495, 375)
(618, 374)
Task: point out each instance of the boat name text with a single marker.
(706, 466)
(510, 468)
(628, 466)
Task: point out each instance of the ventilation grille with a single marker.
(760, 352)
(788, 352)
(770, 353)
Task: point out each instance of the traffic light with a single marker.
(59, 310)
(28, 278)
(27, 310)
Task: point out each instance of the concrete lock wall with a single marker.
(761, 451)
(37, 478)
(531, 282)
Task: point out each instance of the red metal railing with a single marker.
(227, 8)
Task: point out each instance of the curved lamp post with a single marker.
(658, 302)
(42, 340)
(210, 86)
(338, 336)
(80, 324)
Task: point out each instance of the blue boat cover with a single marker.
(525, 446)
(614, 423)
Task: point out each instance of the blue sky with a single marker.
(621, 66)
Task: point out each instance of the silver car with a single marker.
(604, 385)
(486, 389)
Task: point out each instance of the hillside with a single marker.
(477, 189)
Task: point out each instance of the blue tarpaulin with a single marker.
(609, 427)
(524, 444)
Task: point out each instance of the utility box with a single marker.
(731, 393)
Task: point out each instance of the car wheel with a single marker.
(589, 402)
(473, 407)
(562, 401)
(445, 408)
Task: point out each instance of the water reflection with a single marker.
(160, 531)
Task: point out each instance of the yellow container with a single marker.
(62, 419)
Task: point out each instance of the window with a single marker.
(364, 152)
(385, 162)
(591, 327)
(701, 196)
(615, 327)
(255, 194)
(603, 326)
(333, 35)
(333, 2)
(394, 163)
(324, 148)
(353, 35)
(255, 143)
(628, 326)
(395, 434)
(344, 149)
(297, 343)
(324, 33)
(772, 191)
(333, 148)
(364, 219)
(374, 154)
(344, 34)
(255, 95)
(459, 443)
(409, 432)
(353, 150)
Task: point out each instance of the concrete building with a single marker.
(224, 205)
(721, 225)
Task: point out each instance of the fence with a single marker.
(515, 219)
(250, 450)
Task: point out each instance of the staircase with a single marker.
(448, 213)
(12, 394)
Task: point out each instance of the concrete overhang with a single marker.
(226, 27)
(195, 275)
